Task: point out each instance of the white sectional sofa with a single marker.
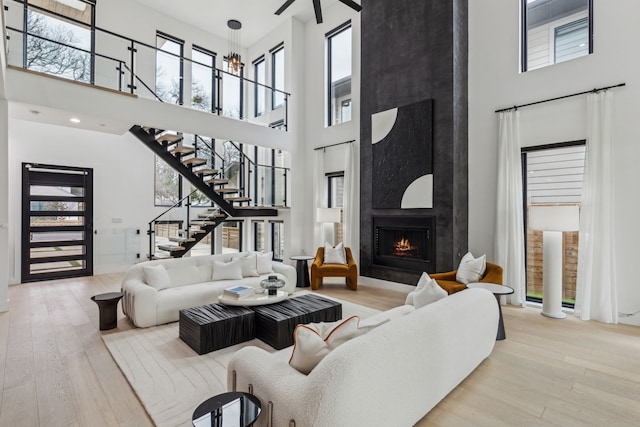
(391, 376)
(189, 285)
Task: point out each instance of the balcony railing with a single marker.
(121, 63)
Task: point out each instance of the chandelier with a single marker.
(234, 61)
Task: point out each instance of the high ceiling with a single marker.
(257, 16)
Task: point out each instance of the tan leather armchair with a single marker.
(320, 270)
(447, 281)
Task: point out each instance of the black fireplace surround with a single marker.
(404, 242)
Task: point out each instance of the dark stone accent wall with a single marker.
(414, 50)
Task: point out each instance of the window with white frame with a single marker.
(554, 31)
(339, 59)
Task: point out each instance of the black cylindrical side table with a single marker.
(108, 307)
(302, 269)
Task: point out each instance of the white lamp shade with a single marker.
(554, 217)
(328, 215)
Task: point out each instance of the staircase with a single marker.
(209, 181)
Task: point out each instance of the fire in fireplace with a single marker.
(404, 242)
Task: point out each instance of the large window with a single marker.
(555, 31)
(259, 236)
(169, 68)
(168, 184)
(259, 76)
(277, 239)
(203, 78)
(232, 93)
(60, 38)
(277, 77)
(339, 75)
(553, 175)
(232, 236)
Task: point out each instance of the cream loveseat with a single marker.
(391, 376)
(190, 284)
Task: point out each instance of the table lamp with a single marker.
(552, 220)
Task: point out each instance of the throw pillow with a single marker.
(422, 282)
(314, 341)
(264, 262)
(249, 265)
(430, 292)
(227, 270)
(156, 276)
(335, 255)
(471, 269)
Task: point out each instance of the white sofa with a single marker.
(191, 285)
(390, 376)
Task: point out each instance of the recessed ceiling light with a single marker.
(74, 120)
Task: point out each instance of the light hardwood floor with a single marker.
(56, 371)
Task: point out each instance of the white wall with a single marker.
(316, 134)
(494, 82)
(4, 207)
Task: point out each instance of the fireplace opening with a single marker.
(404, 242)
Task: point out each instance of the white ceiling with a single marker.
(257, 16)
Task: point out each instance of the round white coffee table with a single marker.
(497, 290)
(255, 299)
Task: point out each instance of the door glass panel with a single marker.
(56, 236)
(59, 206)
(56, 251)
(58, 266)
(56, 221)
(46, 190)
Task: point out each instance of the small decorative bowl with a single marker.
(272, 284)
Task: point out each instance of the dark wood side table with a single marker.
(108, 307)
(497, 290)
(302, 269)
(227, 409)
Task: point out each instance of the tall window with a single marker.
(277, 239)
(339, 75)
(335, 186)
(555, 31)
(232, 236)
(60, 38)
(203, 78)
(169, 68)
(259, 76)
(277, 76)
(259, 236)
(168, 184)
(553, 175)
(232, 93)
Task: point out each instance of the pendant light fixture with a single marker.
(234, 60)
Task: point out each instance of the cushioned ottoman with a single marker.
(215, 326)
(275, 323)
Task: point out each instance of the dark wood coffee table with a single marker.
(275, 323)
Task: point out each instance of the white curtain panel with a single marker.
(351, 216)
(320, 193)
(509, 236)
(596, 296)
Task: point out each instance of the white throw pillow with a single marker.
(249, 265)
(335, 255)
(428, 293)
(156, 276)
(264, 262)
(471, 269)
(422, 282)
(314, 341)
(227, 270)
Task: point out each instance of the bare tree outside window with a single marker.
(53, 47)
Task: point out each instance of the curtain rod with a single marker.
(333, 145)
(515, 107)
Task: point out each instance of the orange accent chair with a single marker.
(447, 281)
(320, 270)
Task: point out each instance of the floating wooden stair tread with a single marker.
(194, 161)
(216, 181)
(197, 231)
(205, 171)
(182, 239)
(238, 199)
(227, 190)
(170, 248)
(202, 223)
(210, 215)
(257, 208)
(183, 150)
(169, 137)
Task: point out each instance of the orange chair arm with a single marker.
(449, 275)
(493, 274)
(317, 262)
